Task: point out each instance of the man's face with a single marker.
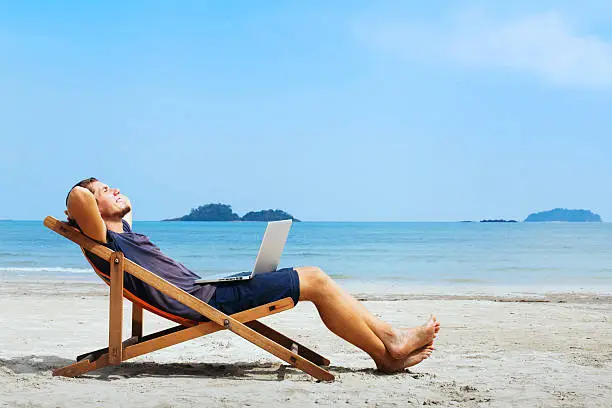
(111, 203)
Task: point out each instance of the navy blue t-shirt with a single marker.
(140, 250)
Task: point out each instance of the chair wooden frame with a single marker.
(244, 324)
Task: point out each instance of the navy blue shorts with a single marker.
(234, 297)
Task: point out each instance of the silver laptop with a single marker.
(270, 251)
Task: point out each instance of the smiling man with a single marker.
(104, 214)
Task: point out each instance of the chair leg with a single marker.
(115, 333)
(286, 342)
(136, 320)
(81, 367)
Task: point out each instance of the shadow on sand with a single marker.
(43, 365)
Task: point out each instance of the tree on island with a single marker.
(268, 215)
(563, 214)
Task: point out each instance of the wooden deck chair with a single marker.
(244, 324)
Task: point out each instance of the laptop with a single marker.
(267, 260)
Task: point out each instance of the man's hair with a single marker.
(83, 183)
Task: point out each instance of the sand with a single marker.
(549, 350)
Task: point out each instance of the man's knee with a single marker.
(313, 281)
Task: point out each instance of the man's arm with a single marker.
(82, 208)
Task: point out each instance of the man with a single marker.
(105, 215)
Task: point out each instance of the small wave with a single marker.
(22, 263)
(339, 276)
(308, 254)
(11, 254)
(47, 269)
(604, 278)
(465, 280)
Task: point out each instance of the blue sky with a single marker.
(346, 110)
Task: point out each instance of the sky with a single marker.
(331, 111)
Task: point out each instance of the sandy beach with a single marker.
(545, 350)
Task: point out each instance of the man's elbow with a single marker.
(78, 196)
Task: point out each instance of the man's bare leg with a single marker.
(391, 349)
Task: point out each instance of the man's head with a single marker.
(112, 204)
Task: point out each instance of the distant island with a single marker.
(500, 220)
(223, 212)
(563, 214)
(267, 215)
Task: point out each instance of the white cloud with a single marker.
(544, 45)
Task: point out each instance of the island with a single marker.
(564, 215)
(267, 215)
(500, 220)
(224, 212)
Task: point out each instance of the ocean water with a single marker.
(459, 255)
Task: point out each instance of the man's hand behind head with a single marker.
(83, 211)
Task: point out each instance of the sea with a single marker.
(387, 257)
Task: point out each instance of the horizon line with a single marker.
(360, 221)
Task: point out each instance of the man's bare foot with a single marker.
(405, 341)
(395, 366)
(418, 356)
(436, 327)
